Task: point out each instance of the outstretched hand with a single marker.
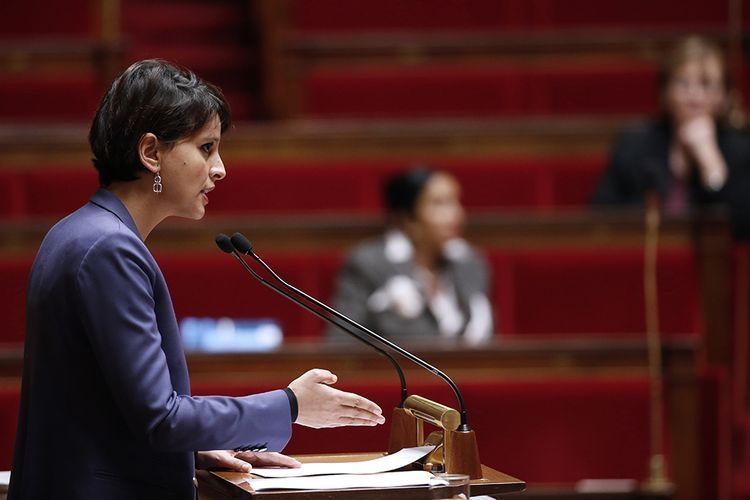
(320, 405)
(242, 461)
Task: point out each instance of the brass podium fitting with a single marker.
(434, 413)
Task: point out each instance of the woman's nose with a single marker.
(217, 171)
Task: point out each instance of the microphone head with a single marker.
(241, 243)
(223, 242)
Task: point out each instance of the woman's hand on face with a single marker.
(320, 405)
(696, 133)
(242, 461)
(698, 137)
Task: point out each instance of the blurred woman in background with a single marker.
(691, 156)
(420, 279)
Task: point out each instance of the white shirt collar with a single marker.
(398, 248)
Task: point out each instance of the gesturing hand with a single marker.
(241, 461)
(320, 405)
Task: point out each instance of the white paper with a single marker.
(385, 463)
(336, 482)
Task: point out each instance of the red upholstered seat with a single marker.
(42, 18)
(214, 285)
(50, 96)
(44, 196)
(10, 394)
(526, 183)
(336, 187)
(342, 16)
(540, 430)
(292, 187)
(545, 430)
(477, 90)
(12, 195)
(592, 290)
(14, 274)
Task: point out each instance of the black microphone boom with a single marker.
(243, 245)
(225, 244)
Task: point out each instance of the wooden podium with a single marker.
(223, 485)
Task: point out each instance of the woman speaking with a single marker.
(106, 410)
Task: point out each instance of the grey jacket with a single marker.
(380, 287)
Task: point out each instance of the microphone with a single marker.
(243, 246)
(225, 244)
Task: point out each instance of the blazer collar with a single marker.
(107, 200)
(399, 249)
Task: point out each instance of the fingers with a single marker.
(268, 459)
(357, 401)
(236, 465)
(320, 405)
(320, 376)
(356, 416)
(353, 409)
(221, 460)
(312, 377)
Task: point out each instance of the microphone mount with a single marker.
(225, 244)
(242, 245)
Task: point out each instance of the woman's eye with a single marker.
(207, 147)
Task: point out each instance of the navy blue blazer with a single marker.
(106, 410)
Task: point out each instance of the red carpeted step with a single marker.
(478, 90)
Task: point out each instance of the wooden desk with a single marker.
(219, 485)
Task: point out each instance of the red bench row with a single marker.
(539, 430)
(465, 89)
(542, 430)
(337, 16)
(77, 18)
(47, 18)
(351, 186)
(445, 90)
(549, 291)
(50, 96)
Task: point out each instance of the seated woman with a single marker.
(690, 156)
(420, 279)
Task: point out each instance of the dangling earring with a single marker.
(157, 183)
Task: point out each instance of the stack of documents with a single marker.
(365, 474)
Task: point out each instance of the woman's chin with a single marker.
(194, 214)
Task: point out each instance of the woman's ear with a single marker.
(148, 152)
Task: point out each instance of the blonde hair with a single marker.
(698, 49)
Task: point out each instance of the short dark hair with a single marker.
(153, 96)
(402, 190)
